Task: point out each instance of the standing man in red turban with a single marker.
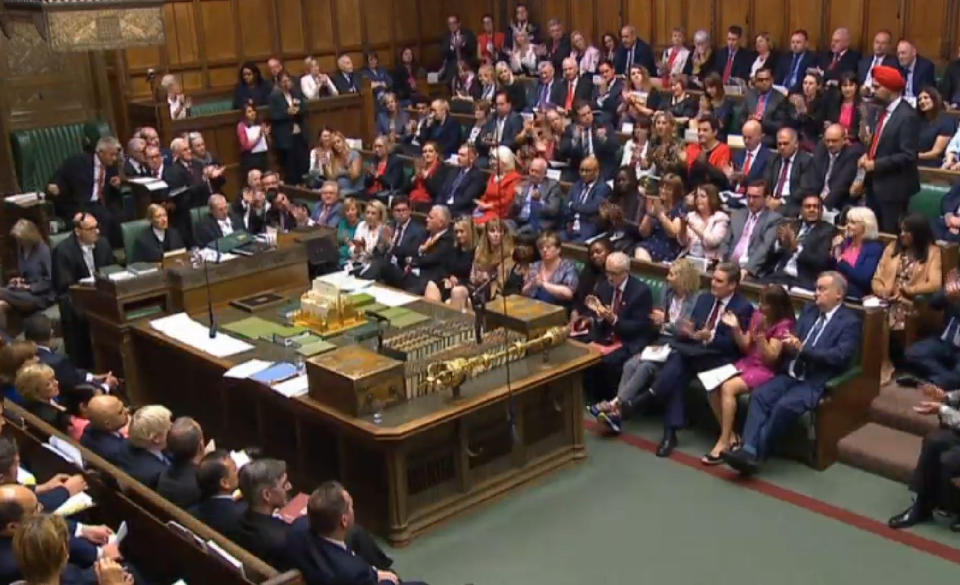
(890, 162)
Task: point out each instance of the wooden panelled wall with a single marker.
(208, 39)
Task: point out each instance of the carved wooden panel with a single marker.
(640, 15)
(348, 23)
(256, 28)
(406, 23)
(667, 14)
(808, 16)
(181, 32)
(218, 34)
(290, 17)
(769, 18)
(849, 14)
(318, 17)
(880, 15)
(582, 18)
(925, 25)
(732, 12)
(378, 19)
(699, 17)
(608, 20)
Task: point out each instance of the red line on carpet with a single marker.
(870, 525)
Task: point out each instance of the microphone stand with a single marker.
(477, 297)
(206, 276)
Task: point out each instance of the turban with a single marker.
(888, 77)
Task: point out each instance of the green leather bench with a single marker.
(212, 107)
(38, 152)
(130, 230)
(928, 199)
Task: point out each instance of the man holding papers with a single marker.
(826, 339)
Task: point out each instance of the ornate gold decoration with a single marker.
(83, 30)
(27, 53)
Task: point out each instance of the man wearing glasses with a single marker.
(766, 105)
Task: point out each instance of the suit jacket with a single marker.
(575, 149)
(110, 446)
(762, 238)
(468, 51)
(147, 248)
(866, 63)
(409, 243)
(470, 188)
(895, 176)
(178, 484)
(588, 209)
(860, 274)
(283, 122)
(723, 343)
(321, 561)
(48, 413)
(216, 185)
(544, 213)
(848, 62)
(926, 279)
(784, 68)
(534, 90)
(557, 51)
(812, 260)
(345, 83)
(433, 262)
(801, 165)
(633, 326)
(742, 61)
(208, 229)
(68, 375)
(950, 83)
(841, 178)
(924, 74)
(642, 55)
(392, 178)
(446, 135)
(582, 92)
(133, 169)
(221, 513)
(758, 166)
(610, 101)
(511, 127)
(74, 178)
(264, 536)
(68, 265)
(145, 467)
(834, 349)
(777, 113)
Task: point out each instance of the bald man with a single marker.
(840, 57)
(104, 435)
(749, 163)
(833, 169)
(917, 70)
(582, 210)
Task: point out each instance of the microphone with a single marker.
(206, 276)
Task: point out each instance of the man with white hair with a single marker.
(430, 261)
(918, 71)
(536, 206)
(633, 51)
(573, 87)
(619, 317)
(91, 183)
(840, 57)
(206, 164)
(186, 187)
(823, 344)
(542, 93)
(345, 80)
(136, 163)
(147, 438)
(221, 222)
(833, 169)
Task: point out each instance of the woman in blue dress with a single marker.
(551, 279)
(660, 226)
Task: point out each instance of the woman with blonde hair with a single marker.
(683, 286)
(668, 153)
(501, 187)
(492, 262)
(345, 166)
(41, 548)
(172, 93)
(347, 228)
(857, 252)
(157, 238)
(31, 290)
(370, 234)
(458, 265)
(38, 386)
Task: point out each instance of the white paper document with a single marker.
(389, 297)
(75, 504)
(65, 450)
(197, 335)
(240, 458)
(711, 379)
(656, 353)
(225, 556)
(247, 369)
(345, 281)
(293, 387)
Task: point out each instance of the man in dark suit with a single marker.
(792, 66)
(950, 83)
(502, 128)
(91, 183)
(441, 128)
(178, 483)
(619, 314)
(407, 234)
(753, 231)
(583, 206)
(827, 338)
(633, 51)
(429, 263)
(76, 258)
(833, 169)
(766, 105)
(280, 213)
(536, 206)
(459, 44)
(703, 343)
(329, 211)
(556, 46)
(590, 137)
(264, 485)
(918, 71)
(148, 430)
(108, 415)
(732, 61)
(750, 162)
(572, 88)
(464, 186)
(937, 358)
(206, 165)
(606, 97)
(880, 56)
(187, 187)
(38, 329)
(218, 480)
(290, 129)
(802, 249)
(135, 164)
(785, 173)
(839, 58)
(890, 162)
(345, 80)
(542, 93)
(221, 221)
(321, 548)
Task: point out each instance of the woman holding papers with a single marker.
(762, 347)
(683, 282)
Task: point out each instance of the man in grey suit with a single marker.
(753, 231)
(536, 206)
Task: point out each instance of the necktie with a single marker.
(876, 134)
(397, 238)
(101, 179)
(544, 95)
(323, 216)
(744, 242)
(456, 185)
(669, 68)
(630, 58)
(585, 194)
(762, 104)
(909, 86)
(714, 315)
(588, 138)
(826, 178)
(833, 64)
(615, 304)
(784, 170)
(793, 71)
(798, 366)
(571, 89)
(500, 130)
(747, 162)
(950, 333)
(728, 68)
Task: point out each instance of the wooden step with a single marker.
(893, 408)
(886, 451)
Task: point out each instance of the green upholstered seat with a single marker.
(196, 214)
(130, 230)
(38, 152)
(210, 108)
(657, 287)
(59, 237)
(928, 199)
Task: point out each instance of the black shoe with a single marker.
(908, 381)
(742, 461)
(667, 444)
(908, 517)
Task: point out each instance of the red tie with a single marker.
(833, 64)
(876, 134)
(783, 178)
(762, 105)
(101, 179)
(615, 305)
(728, 68)
(714, 315)
(670, 60)
(571, 87)
(746, 172)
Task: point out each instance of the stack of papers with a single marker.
(711, 379)
(280, 377)
(345, 281)
(66, 450)
(390, 297)
(23, 198)
(259, 328)
(197, 335)
(75, 504)
(293, 387)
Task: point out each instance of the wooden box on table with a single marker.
(355, 380)
(524, 315)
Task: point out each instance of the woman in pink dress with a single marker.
(761, 346)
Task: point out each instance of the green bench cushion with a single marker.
(210, 108)
(130, 230)
(38, 152)
(928, 199)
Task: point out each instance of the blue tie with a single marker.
(793, 71)
(456, 185)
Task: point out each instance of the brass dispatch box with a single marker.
(355, 380)
(524, 315)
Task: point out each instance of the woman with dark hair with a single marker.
(253, 135)
(406, 74)
(661, 223)
(810, 110)
(608, 47)
(490, 43)
(843, 107)
(681, 104)
(591, 275)
(290, 129)
(762, 347)
(251, 87)
(613, 225)
(704, 233)
(380, 80)
(626, 193)
(521, 23)
(909, 267)
(635, 149)
(936, 128)
(32, 289)
(723, 106)
(639, 98)
(553, 278)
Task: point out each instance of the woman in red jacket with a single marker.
(501, 187)
(427, 181)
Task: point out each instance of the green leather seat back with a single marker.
(38, 152)
(196, 214)
(130, 230)
(59, 237)
(928, 199)
(657, 288)
(210, 108)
